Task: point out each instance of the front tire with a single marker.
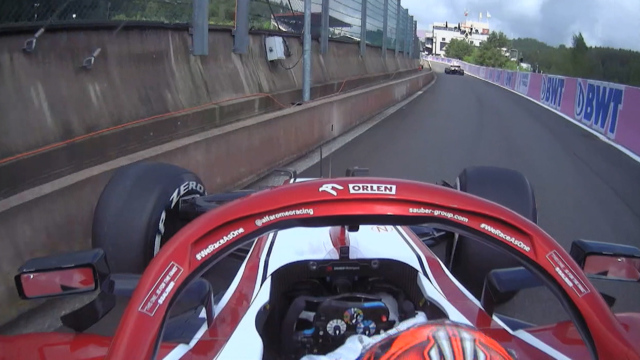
(137, 212)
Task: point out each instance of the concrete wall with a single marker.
(56, 217)
(42, 167)
(46, 97)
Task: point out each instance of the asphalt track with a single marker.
(584, 187)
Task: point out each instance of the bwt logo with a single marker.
(551, 91)
(508, 78)
(498, 75)
(598, 105)
(522, 83)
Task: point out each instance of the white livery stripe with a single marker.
(263, 264)
(537, 343)
(430, 292)
(421, 257)
(235, 283)
(182, 349)
(522, 335)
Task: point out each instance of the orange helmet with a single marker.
(436, 341)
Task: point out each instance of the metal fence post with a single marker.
(385, 23)
(306, 53)
(363, 28)
(398, 25)
(241, 31)
(200, 28)
(324, 28)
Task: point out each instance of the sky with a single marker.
(612, 23)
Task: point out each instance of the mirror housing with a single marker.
(607, 261)
(59, 275)
(502, 282)
(356, 171)
(48, 283)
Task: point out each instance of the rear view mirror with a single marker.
(501, 284)
(40, 284)
(66, 274)
(613, 267)
(608, 261)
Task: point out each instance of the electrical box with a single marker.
(275, 48)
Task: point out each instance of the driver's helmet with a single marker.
(437, 340)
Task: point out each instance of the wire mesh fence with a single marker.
(392, 23)
(345, 19)
(401, 34)
(222, 12)
(375, 19)
(34, 12)
(345, 16)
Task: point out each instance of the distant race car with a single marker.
(454, 69)
(324, 269)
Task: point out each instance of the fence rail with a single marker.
(345, 17)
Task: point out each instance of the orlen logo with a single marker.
(598, 105)
(551, 91)
(372, 189)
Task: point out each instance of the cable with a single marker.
(290, 7)
(274, 15)
(294, 65)
(284, 40)
(131, 123)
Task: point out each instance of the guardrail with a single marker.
(610, 110)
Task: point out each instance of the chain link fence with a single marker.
(39, 12)
(345, 16)
(69, 12)
(222, 12)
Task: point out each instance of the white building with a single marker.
(428, 42)
(474, 32)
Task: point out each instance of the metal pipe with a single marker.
(241, 31)
(306, 53)
(324, 32)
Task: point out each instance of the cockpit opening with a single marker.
(316, 305)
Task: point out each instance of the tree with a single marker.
(490, 52)
(579, 57)
(497, 40)
(459, 49)
(598, 63)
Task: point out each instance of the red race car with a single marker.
(328, 269)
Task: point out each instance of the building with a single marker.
(428, 42)
(474, 32)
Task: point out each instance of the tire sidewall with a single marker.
(137, 212)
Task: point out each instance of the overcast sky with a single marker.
(611, 23)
